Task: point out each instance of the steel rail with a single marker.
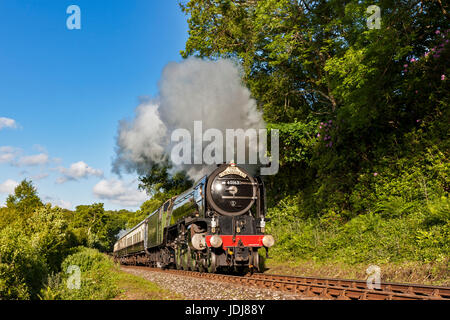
(404, 288)
(322, 287)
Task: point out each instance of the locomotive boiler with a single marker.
(218, 224)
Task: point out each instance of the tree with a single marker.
(89, 225)
(342, 95)
(160, 184)
(22, 268)
(50, 236)
(24, 200)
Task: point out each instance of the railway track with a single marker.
(340, 289)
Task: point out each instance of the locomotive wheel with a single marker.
(212, 262)
(178, 259)
(192, 261)
(186, 261)
(194, 266)
(255, 261)
(202, 265)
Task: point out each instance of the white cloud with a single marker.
(77, 171)
(7, 123)
(57, 160)
(59, 202)
(63, 204)
(8, 154)
(119, 192)
(13, 156)
(34, 160)
(8, 186)
(39, 176)
(39, 148)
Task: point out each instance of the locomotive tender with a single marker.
(218, 224)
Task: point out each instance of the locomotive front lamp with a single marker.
(216, 241)
(268, 241)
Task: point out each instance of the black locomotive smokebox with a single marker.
(231, 190)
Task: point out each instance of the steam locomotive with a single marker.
(217, 225)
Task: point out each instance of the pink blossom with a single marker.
(443, 77)
(417, 91)
(318, 135)
(427, 54)
(413, 60)
(375, 174)
(330, 121)
(320, 127)
(405, 66)
(437, 32)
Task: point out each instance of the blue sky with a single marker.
(63, 92)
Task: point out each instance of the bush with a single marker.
(49, 234)
(420, 235)
(22, 268)
(98, 278)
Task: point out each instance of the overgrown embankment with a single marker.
(99, 279)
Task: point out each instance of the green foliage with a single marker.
(7, 217)
(96, 228)
(421, 235)
(364, 145)
(49, 234)
(24, 200)
(98, 279)
(35, 239)
(311, 62)
(22, 268)
(161, 185)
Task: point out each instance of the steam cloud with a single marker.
(192, 90)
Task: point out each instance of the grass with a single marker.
(437, 273)
(135, 288)
(100, 279)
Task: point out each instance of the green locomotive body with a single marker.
(218, 223)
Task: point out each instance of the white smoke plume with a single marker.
(192, 90)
